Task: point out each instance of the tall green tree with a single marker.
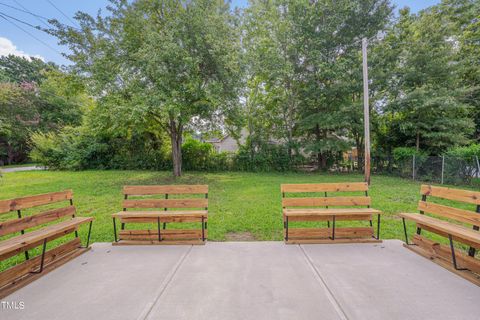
(18, 117)
(415, 75)
(329, 35)
(174, 62)
(271, 57)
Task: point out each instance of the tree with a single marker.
(418, 83)
(18, 117)
(329, 35)
(271, 57)
(20, 69)
(174, 62)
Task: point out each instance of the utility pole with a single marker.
(366, 112)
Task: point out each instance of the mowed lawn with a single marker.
(240, 203)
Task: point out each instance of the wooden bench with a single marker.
(307, 209)
(457, 225)
(58, 226)
(191, 210)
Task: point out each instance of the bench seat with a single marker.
(469, 235)
(24, 241)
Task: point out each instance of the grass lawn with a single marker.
(246, 203)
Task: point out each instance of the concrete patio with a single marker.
(248, 280)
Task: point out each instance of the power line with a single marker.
(21, 21)
(3, 16)
(73, 22)
(25, 10)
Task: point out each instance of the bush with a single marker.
(73, 149)
(200, 156)
(468, 153)
(407, 153)
(267, 157)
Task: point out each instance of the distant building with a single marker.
(227, 143)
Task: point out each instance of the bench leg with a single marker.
(286, 229)
(203, 228)
(378, 227)
(42, 261)
(164, 225)
(333, 228)
(454, 258)
(123, 226)
(88, 236)
(158, 229)
(405, 231)
(115, 230)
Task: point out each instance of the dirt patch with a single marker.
(239, 236)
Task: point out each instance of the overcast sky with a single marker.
(21, 39)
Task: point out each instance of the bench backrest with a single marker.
(325, 200)
(23, 222)
(165, 203)
(460, 215)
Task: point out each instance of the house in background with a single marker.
(227, 143)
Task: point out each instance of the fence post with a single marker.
(443, 166)
(413, 168)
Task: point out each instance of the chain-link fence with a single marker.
(436, 169)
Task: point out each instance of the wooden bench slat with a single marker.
(165, 216)
(33, 201)
(467, 196)
(325, 187)
(165, 189)
(446, 227)
(326, 201)
(155, 214)
(330, 212)
(37, 243)
(311, 233)
(461, 215)
(166, 203)
(167, 234)
(26, 239)
(16, 225)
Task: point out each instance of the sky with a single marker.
(23, 40)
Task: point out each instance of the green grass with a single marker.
(239, 202)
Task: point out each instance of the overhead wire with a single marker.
(9, 19)
(66, 16)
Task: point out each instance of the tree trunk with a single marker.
(10, 154)
(176, 139)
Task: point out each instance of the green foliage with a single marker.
(422, 94)
(41, 98)
(77, 149)
(266, 157)
(17, 69)
(406, 153)
(18, 117)
(200, 156)
(468, 152)
(171, 62)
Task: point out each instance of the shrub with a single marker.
(200, 156)
(266, 157)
